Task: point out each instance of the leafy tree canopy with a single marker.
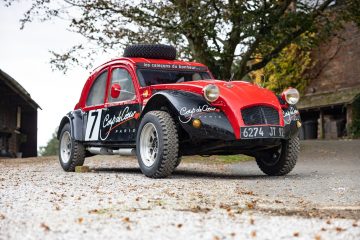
(289, 68)
(223, 34)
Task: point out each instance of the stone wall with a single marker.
(337, 62)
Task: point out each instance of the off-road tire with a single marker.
(168, 145)
(77, 156)
(152, 51)
(286, 161)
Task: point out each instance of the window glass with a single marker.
(97, 92)
(123, 78)
(149, 77)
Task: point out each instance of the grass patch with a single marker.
(217, 159)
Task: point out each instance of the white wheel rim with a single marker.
(149, 144)
(65, 147)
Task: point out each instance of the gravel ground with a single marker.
(319, 200)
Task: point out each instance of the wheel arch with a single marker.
(176, 102)
(63, 121)
(76, 121)
(164, 101)
(160, 101)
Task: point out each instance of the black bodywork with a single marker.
(116, 126)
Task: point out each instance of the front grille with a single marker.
(260, 115)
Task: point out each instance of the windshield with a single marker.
(149, 77)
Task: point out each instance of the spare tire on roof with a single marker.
(154, 51)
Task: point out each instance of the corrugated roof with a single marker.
(341, 96)
(16, 87)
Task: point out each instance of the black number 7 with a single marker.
(92, 128)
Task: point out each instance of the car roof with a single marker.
(147, 60)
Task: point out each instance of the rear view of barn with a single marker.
(18, 119)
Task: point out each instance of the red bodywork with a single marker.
(234, 95)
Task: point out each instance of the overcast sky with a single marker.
(24, 55)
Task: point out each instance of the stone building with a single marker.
(330, 107)
(18, 119)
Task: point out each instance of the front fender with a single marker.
(186, 107)
(76, 121)
(291, 118)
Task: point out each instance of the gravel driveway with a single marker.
(320, 199)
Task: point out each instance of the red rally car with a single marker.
(155, 107)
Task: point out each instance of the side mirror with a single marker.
(115, 90)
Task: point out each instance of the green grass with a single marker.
(217, 159)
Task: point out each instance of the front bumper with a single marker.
(216, 126)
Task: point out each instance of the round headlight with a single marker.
(291, 95)
(211, 92)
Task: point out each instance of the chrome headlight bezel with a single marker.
(291, 96)
(211, 92)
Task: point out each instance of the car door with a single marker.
(122, 109)
(95, 103)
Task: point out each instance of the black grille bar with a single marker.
(260, 115)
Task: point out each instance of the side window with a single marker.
(97, 92)
(123, 78)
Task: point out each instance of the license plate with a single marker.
(262, 132)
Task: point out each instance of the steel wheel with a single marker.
(273, 158)
(157, 144)
(282, 160)
(149, 144)
(65, 147)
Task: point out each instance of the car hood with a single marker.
(237, 94)
(234, 96)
